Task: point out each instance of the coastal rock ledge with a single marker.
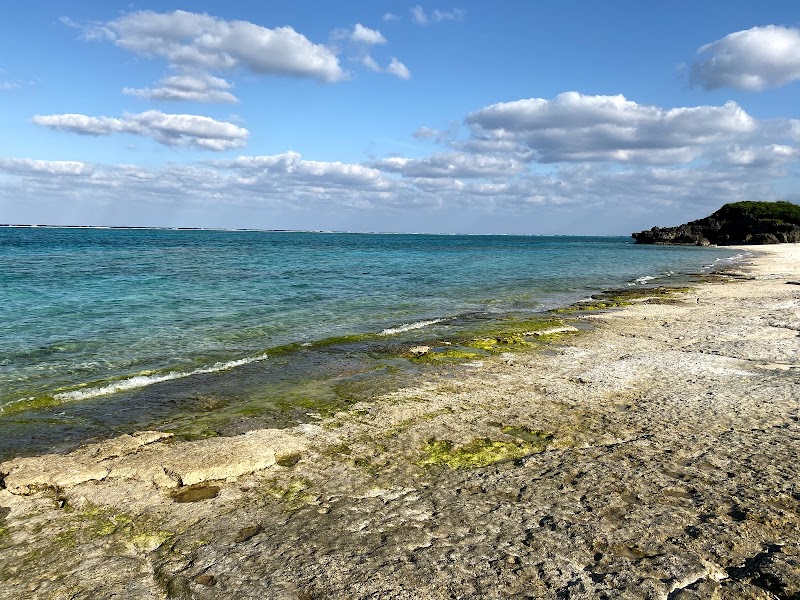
(735, 223)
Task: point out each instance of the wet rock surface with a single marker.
(669, 471)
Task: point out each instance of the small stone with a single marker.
(206, 579)
(247, 533)
(288, 460)
(419, 350)
(196, 493)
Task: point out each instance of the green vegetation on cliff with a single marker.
(734, 223)
(781, 211)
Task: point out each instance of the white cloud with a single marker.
(601, 160)
(23, 166)
(365, 35)
(451, 164)
(455, 14)
(197, 87)
(398, 69)
(389, 17)
(168, 129)
(754, 59)
(420, 17)
(290, 166)
(9, 84)
(199, 41)
(574, 127)
(426, 133)
(395, 67)
(763, 157)
(406, 195)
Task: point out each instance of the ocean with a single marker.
(207, 332)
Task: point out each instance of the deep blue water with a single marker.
(86, 313)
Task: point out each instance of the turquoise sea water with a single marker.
(93, 317)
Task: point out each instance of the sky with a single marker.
(462, 116)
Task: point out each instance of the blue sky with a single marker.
(517, 117)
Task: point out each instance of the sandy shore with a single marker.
(656, 456)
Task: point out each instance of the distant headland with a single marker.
(735, 223)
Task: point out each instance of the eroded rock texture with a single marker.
(656, 458)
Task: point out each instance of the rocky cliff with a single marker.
(736, 223)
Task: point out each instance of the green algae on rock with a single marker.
(293, 494)
(527, 434)
(619, 298)
(449, 354)
(480, 452)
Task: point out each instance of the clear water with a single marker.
(87, 314)
(97, 305)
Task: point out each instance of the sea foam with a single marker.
(140, 381)
(410, 326)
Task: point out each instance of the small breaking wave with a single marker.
(735, 257)
(144, 380)
(410, 326)
(644, 279)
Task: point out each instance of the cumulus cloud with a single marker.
(763, 157)
(168, 129)
(418, 15)
(199, 41)
(365, 35)
(389, 17)
(361, 40)
(574, 127)
(608, 155)
(290, 166)
(398, 69)
(288, 182)
(753, 59)
(197, 87)
(451, 164)
(395, 67)
(27, 166)
(378, 196)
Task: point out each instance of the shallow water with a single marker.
(97, 324)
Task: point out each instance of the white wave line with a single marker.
(139, 381)
(409, 326)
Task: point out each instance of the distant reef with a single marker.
(735, 223)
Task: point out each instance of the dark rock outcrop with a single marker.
(736, 223)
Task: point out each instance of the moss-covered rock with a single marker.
(623, 297)
(480, 452)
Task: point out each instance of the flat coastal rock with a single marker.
(654, 456)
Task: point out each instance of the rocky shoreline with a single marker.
(735, 223)
(651, 457)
